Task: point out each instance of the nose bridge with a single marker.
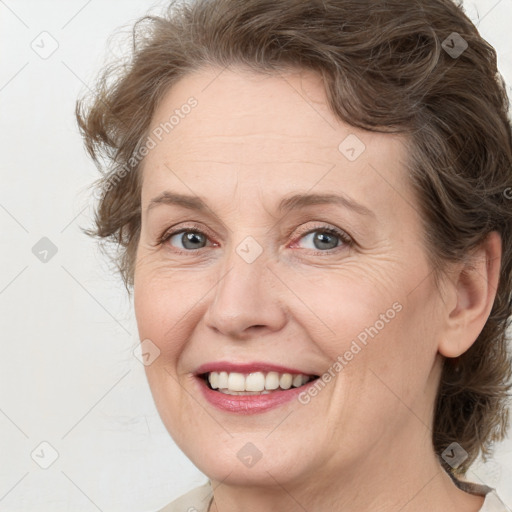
(242, 297)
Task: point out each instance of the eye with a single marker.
(190, 239)
(325, 238)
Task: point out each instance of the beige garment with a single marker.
(196, 500)
(199, 499)
(492, 502)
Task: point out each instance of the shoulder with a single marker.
(492, 501)
(199, 498)
(196, 500)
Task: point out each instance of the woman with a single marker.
(312, 203)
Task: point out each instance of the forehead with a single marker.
(262, 130)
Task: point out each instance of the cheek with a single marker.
(161, 313)
(337, 307)
(398, 351)
(166, 305)
(371, 321)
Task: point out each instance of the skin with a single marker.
(364, 442)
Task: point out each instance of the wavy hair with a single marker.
(392, 66)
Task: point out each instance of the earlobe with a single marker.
(474, 289)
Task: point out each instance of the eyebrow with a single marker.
(294, 202)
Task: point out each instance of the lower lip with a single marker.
(249, 404)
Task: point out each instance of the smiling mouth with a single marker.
(254, 383)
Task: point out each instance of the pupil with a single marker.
(323, 238)
(190, 237)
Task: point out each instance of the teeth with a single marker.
(223, 380)
(297, 381)
(214, 380)
(285, 381)
(234, 383)
(253, 382)
(272, 380)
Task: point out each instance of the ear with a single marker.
(471, 292)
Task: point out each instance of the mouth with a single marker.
(254, 383)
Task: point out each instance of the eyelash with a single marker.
(344, 238)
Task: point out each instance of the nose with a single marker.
(246, 300)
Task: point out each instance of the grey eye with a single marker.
(190, 239)
(322, 239)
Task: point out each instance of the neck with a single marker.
(404, 483)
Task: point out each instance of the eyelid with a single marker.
(325, 226)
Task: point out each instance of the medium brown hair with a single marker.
(387, 67)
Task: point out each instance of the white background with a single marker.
(68, 375)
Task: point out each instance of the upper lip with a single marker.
(250, 367)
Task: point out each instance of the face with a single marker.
(237, 277)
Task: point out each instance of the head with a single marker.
(241, 105)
